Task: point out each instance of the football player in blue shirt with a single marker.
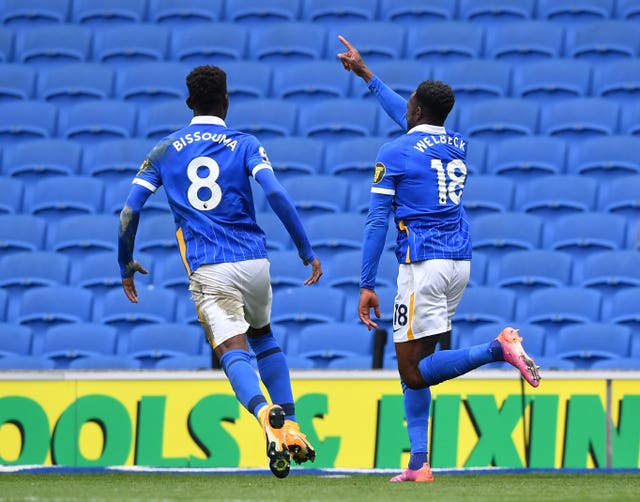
(420, 177)
(205, 169)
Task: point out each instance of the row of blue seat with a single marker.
(309, 82)
(54, 197)
(289, 42)
(97, 12)
(332, 119)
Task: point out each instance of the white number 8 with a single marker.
(208, 181)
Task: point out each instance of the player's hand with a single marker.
(352, 60)
(368, 300)
(129, 285)
(316, 271)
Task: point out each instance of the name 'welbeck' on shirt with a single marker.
(442, 139)
(187, 139)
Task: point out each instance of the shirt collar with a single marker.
(428, 128)
(207, 119)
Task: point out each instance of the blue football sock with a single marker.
(447, 364)
(274, 372)
(244, 381)
(416, 409)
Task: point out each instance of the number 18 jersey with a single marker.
(425, 173)
(205, 169)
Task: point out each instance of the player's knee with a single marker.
(412, 378)
(255, 332)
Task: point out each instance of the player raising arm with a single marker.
(420, 177)
(205, 169)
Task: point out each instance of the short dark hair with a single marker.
(436, 99)
(207, 88)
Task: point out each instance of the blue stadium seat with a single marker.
(630, 119)
(171, 273)
(186, 312)
(78, 236)
(627, 10)
(59, 196)
(444, 42)
(199, 362)
(155, 305)
(476, 157)
(486, 194)
(621, 196)
(360, 194)
(476, 80)
(242, 84)
(558, 195)
(524, 41)
(110, 362)
(339, 13)
(287, 42)
(296, 308)
(338, 119)
(483, 305)
(161, 119)
(184, 13)
(97, 120)
(264, 118)
(22, 271)
(45, 307)
(157, 236)
(496, 11)
(154, 342)
(115, 160)
(590, 342)
(17, 82)
(326, 342)
(4, 299)
(605, 158)
(260, 12)
(332, 233)
(552, 80)
(40, 158)
(351, 363)
(401, 75)
(554, 308)
(150, 83)
(70, 341)
(116, 193)
(603, 41)
(310, 82)
(388, 128)
(353, 160)
(6, 44)
(278, 238)
(286, 270)
(96, 13)
(581, 234)
(130, 44)
(19, 14)
(569, 12)
(299, 363)
(624, 310)
(377, 41)
(75, 83)
(479, 265)
(15, 340)
(555, 364)
(27, 120)
(315, 195)
(21, 232)
(498, 119)
(417, 12)
(386, 297)
(11, 194)
(295, 156)
(53, 44)
(209, 43)
(26, 363)
(579, 118)
(500, 233)
(617, 363)
(617, 80)
(343, 271)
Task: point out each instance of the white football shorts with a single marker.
(230, 297)
(428, 294)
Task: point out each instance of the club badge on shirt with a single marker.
(380, 171)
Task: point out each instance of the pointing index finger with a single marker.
(345, 42)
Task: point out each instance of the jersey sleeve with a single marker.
(148, 175)
(392, 103)
(257, 157)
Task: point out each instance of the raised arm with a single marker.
(393, 104)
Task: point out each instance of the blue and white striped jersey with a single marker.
(205, 169)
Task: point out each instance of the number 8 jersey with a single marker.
(205, 169)
(424, 172)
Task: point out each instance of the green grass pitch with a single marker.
(308, 488)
